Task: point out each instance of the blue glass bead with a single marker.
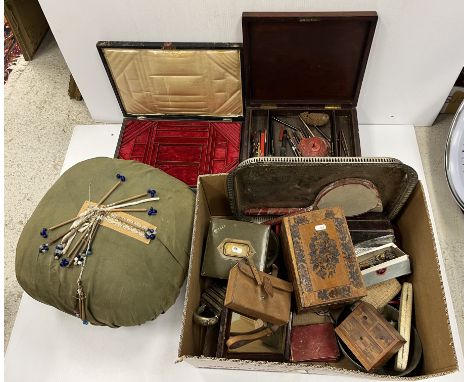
(152, 192)
(118, 176)
(64, 263)
(152, 236)
(88, 252)
(152, 211)
(85, 322)
(44, 233)
(122, 178)
(43, 248)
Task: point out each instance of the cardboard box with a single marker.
(417, 238)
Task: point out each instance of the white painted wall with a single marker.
(416, 55)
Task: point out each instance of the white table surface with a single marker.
(48, 345)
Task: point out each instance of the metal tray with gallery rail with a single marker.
(275, 182)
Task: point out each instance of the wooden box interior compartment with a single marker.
(417, 240)
(182, 104)
(341, 129)
(305, 62)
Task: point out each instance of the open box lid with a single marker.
(269, 182)
(294, 59)
(181, 80)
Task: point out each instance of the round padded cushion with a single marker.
(126, 282)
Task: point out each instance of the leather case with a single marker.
(258, 295)
(229, 241)
(182, 104)
(314, 343)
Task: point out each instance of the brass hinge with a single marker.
(168, 46)
(140, 117)
(332, 107)
(268, 106)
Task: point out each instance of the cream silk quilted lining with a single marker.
(193, 82)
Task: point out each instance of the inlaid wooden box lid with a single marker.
(175, 79)
(306, 58)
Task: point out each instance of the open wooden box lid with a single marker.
(181, 80)
(298, 59)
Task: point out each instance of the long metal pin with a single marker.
(285, 123)
(323, 134)
(109, 192)
(129, 210)
(293, 145)
(76, 245)
(58, 238)
(306, 126)
(77, 251)
(64, 223)
(87, 236)
(93, 233)
(127, 199)
(129, 222)
(345, 145)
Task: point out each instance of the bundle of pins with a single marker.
(84, 227)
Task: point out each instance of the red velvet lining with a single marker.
(183, 149)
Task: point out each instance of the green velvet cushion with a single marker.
(126, 281)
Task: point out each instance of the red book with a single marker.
(315, 343)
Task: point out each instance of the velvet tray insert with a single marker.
(182, 148)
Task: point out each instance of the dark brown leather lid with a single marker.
(175, 80)
(306, 58)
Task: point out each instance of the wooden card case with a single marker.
(370, 337)
(320, 258)
(306, 62)
(182, 104)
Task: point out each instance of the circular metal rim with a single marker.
(204, 321)
(447, 143)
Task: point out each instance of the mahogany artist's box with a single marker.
(306, 62)
(182, 104)
(279, 181)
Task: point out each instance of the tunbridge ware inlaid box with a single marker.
(320, 258)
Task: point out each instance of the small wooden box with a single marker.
(320, 258)
(369, 336)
